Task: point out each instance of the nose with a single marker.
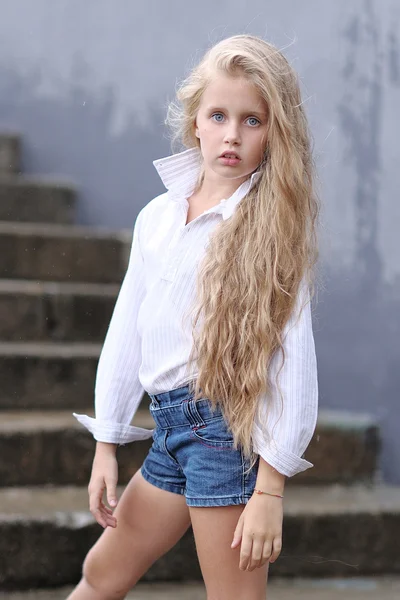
(232, 134)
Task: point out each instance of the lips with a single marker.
(230, 155)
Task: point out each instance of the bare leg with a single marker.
(150, 522)
(213, 529)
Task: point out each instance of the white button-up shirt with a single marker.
(147, 345)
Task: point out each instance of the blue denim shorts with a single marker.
(192, 453)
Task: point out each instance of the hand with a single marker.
(260, 529)
(104, 476)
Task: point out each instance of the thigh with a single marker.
(213, 529)
(150, 521)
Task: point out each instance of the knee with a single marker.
(100, 579)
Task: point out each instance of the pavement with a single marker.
(382, 588)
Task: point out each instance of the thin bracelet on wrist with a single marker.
(268, 493)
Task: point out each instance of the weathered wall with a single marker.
(87, 85)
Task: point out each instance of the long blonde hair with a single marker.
(257, 259)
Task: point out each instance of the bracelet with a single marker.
(268, 493)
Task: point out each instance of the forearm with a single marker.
(105, 447)
(269, 479)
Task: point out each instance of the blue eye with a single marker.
(220, 120)
(257, 122)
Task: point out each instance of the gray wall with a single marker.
(87, 85)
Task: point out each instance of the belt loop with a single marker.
(188, 413)
(195, 413)
(154, 399)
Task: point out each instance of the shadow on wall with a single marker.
(70, 135)
(358, 333)
(357, 340)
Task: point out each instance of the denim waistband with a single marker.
(172, 397)
(177, 407)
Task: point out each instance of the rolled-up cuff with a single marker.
(285, 462)
(113, 433)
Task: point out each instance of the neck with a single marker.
(214, 188)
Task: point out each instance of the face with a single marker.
(232, 118)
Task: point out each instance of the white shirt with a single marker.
(147, 347)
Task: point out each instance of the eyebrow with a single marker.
(245, 112)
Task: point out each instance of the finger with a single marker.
(245, 552)
(276, 549)
(100, 518)
(111, 521)
(104, 519)
(237, 536)
(266, 553)
(108, 514)
(96, 494)
(111, 485)
(96, 506)
(256, 554)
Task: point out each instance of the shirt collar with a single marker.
(179, 173)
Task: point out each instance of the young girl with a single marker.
(213, 320)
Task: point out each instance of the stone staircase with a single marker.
(58, 285)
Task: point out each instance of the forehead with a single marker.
(236, 93)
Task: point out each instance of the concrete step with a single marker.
(51, 252)
(345, 448)
(359, 588)
(41, 447)
(55, 311)
(36, 200)
(10, 149)
(332, 531)
(47, 375)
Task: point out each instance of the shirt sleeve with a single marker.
(286, 425)
(118, 391)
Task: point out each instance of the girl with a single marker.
(213, 320)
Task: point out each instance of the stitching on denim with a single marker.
(164, 446)
(243, 477)
(191, 421)
(199, 421)
(157, 402)
(228, 497)
(218, 445)
(228, 501)
(162, 481)
(206, 442)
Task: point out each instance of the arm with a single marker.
(280, 439)
(118, 391)
(286, 427)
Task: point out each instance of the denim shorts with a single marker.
(192, 453)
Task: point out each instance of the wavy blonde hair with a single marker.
(257, 259)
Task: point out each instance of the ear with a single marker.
(196, 129)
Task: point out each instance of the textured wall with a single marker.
(87, 85)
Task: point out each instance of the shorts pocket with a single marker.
(214, 433)
(156, 438)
